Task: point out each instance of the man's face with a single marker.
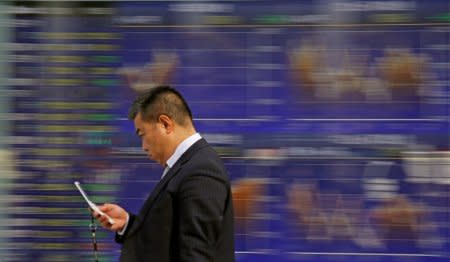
(153, 136)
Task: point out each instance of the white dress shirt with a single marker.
(179, 151)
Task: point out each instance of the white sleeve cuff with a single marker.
(121, 232)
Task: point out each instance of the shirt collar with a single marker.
(181, 148)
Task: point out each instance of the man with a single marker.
(189, 214)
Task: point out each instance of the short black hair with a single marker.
(161, 100)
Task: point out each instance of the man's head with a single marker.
(162, 120)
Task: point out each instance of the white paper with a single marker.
(91, 204)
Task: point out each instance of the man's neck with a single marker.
(178, 139)
(184, 135)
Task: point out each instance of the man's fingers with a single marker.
(114, 227)
(105, 207)
(102, 219)
(110, 210)
(106, 224)
(95, 214)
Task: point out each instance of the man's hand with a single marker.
(118, 214)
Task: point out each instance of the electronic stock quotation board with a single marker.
(332, 119)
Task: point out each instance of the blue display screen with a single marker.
(332, 120)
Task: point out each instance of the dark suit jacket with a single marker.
(187, 217)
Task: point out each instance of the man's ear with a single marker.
(167, 123)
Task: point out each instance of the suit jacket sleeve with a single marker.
(202, 202)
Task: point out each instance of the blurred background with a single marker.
(332, 118)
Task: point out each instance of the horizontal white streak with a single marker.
(369, 119)
(364, 254)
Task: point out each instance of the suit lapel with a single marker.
(163, 182)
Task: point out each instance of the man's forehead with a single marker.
(138, 120)
(138, 125)
(138, 116)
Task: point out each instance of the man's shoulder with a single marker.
(204, 157)
(205, 161)
(201, 160)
